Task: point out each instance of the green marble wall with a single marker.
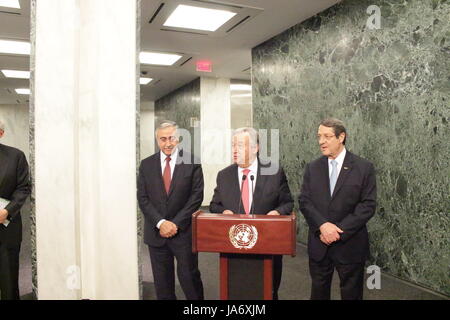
(392, 89)
(180, 106)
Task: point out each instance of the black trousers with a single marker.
(162, 259)
(277, 270)
(9, 272)
(351, 279)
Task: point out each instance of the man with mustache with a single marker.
(338, 197)
(170, 190)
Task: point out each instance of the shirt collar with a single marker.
(173, 156)
(340, 158)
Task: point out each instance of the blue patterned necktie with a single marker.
(333, 177)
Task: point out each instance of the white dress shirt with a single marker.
(340, 161)
(253, 172)
(172, 162)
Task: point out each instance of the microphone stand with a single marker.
(242, 187)
(252, 210)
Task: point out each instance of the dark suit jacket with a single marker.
(271, 193)
(15, 187)
(351, 206)
(185, 197)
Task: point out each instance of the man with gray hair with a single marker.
(170, 190)
(14, 190)
(338, 197)
(242, 188)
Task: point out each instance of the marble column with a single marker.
(147, 129)
(215, 127)
(84, 97)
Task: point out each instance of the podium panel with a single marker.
(247, 245)
(247, 234)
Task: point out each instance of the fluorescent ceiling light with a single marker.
(145, 81)
(16, 74)
(241, 87)
(14, 47)
(23, 91)
(197, 18)
(164, 59)
(10, 4)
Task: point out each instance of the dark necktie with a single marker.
(166, 176)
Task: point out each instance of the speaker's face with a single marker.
(243, 152)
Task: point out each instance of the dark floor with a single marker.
(295, 284)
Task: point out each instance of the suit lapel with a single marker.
(177, 172)
(259, 188)
(325, 176)
(343, 174)
(235, 191)
(3, 164)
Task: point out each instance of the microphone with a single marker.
(252, 178)
(242, 188)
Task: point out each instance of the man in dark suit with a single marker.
(14, 189)
(271, 191)
(338, 198)
(170, 190)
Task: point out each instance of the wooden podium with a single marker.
(246, 244)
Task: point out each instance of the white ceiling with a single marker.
(230, 53)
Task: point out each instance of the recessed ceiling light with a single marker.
(241, 87)
(23, 91)
(10, 4)
(14, 47)
(197, 18)
(16, 74)
(145, 81)
(163, 59)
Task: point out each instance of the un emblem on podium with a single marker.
(243, 236)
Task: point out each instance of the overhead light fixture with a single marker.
(197, 18)
(10, 4)
(241, 87)
(145, 81)
(16, 74)
(23, 91)
(162, 59)
(14, 47)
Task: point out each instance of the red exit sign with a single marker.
(204, 66)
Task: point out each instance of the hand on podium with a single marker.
(228, 212)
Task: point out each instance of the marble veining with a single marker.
(391, 86)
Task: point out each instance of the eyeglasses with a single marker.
(326, 137)
(171, 139)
